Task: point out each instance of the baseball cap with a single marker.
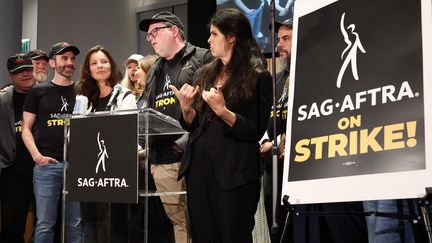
(62, 47)
(288, 23)
(18, 61)
(161, 17)
(38, 54)
(133, 57)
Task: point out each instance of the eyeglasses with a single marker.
(155, 31)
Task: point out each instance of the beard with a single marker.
(40, 77)
(67, 73)
(285, 63)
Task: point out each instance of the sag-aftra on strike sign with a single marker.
(360, 106)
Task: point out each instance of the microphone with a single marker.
(116, 91)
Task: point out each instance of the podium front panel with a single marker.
(103, 155)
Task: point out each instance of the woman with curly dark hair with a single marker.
(99, 76)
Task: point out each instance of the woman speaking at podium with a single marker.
(99, 84)
(99, 90)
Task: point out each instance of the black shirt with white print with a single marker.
(281, 105)
(47, 101)
(23, 159)
(166, 102)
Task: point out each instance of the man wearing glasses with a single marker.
(176, 66)
(16, 164)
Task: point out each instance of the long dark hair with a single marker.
(245, 63)
(87, 85)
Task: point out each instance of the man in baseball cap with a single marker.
(17, 62)
(40, 63)
(61, 48)
(59, 65)
(42, 102)
(288, 23)
(38, 54)
(16, 164)
(161, 17)
(178, 62)
(284, 37)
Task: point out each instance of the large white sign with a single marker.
(360, 101)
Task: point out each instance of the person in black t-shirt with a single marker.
(42, 107)
(284, 34)
(176, 66)
(16, 164)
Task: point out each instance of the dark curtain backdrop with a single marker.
(199, 14)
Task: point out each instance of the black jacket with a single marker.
(7, 124)
(233, 152)
(193, 58)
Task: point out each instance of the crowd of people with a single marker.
(222, 97)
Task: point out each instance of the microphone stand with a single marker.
(424, 204)
(274, 227)
(108, 107)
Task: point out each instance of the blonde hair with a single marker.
(126, 81)
(145, 64)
